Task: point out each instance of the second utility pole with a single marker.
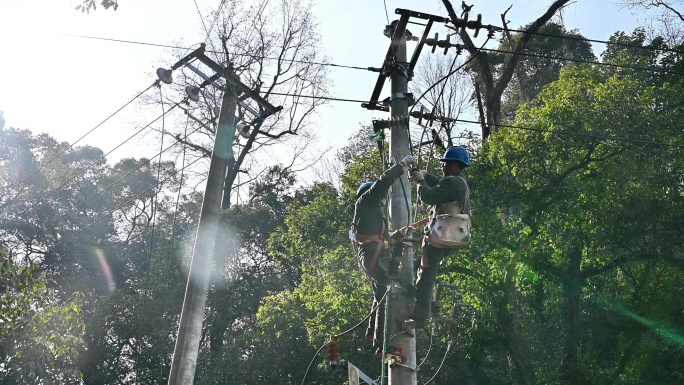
(399, 302)
(192, 315)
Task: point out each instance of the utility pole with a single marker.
(192, 315)
(399, 302)
(400, 360)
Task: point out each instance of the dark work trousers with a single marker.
(427, 275)
(376, 322)
(378, 278)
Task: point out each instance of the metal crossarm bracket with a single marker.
(234, 81)
(188, 58)
(389, 64)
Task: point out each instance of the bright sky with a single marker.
(63, 85)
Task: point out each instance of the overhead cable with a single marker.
(114, 149)
(109, 186)
(579, 134)
(588, 40)
(122, 205)
(344, 333)
(153, 217)
(233, 54)
(21, 184)
(652, 69)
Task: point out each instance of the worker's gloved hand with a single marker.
(408, 160)
(417, 175)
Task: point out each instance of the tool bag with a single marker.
(451, 227)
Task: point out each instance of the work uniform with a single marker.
(370, 233)
(436, 192)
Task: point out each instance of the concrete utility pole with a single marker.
(400, 304)
(192, 315)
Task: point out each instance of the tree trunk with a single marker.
(516, 347)
(573, 288)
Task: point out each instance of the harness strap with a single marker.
(364, 239)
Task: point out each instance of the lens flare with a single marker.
(106, 270)
(660, 328)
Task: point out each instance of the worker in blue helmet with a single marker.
(449, 198)
(369, 233)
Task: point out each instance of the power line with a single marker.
(234, 54)
(114, 149)
(386, 13)
(21, 184)
(218, 12)
(154, 207)
(319, 97)
(201, 19)
(446, 352)
(90, 168)
(435, 85)
(121, 205)
(593, 136)
(581, 61)
(578, 134)
(344, 333)
(588, 40)
(139, 167)
(173, 222)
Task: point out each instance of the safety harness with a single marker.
(379, 239)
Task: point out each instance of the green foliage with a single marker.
(574, 271)
(40, 336)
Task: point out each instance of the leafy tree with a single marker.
(493, 86)
(41, 335)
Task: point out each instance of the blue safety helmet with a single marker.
(455, 153)
(363, 188)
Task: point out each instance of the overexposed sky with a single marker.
(63, 85)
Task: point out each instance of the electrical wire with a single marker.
(605, 137)
(211, 42)
(211, 26)
(440, 365)
(114, 149)
(344, 333)
(351, 329)
(588, 40)
(213, 51)
(153, 218)
(385, 339)
(121, 205)
(201, 19)
(320, 97)
(22, 186)
(646, 69)
(580, 134)
(386, 13)
(428, 352)
(441, 80)
(173, 221)
(140, 166)
(311, 363)
(434, 107)
(43, 228)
